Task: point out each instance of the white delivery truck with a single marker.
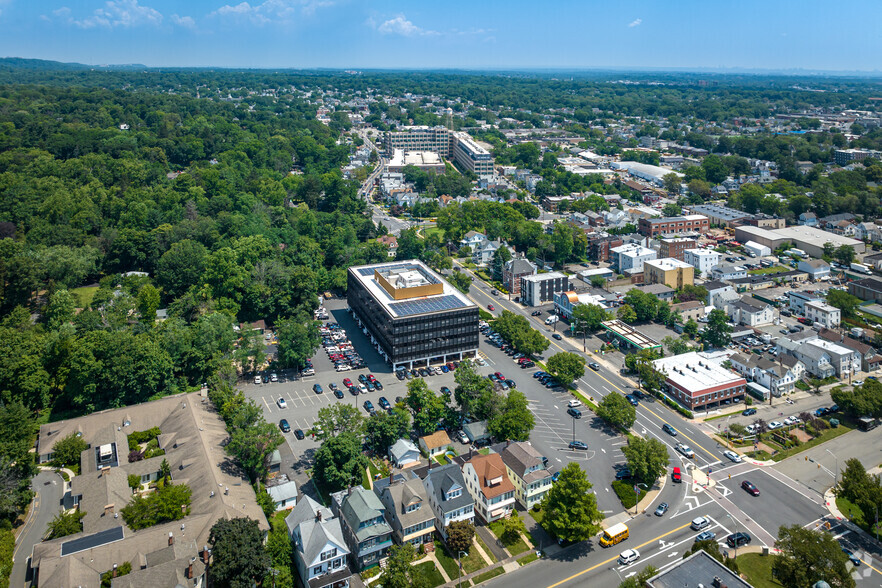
(859, 267)
(552, 319)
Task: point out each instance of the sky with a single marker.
(465, 34)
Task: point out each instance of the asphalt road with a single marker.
(49, 488)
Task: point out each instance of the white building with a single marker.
(822, 313)
(727, 271)
(320, 552)
(566, 302)
(702, 259)
(631, 257)
(845, 361)
(699, 382)
(541, 288)
(751, 312)
(757, 249)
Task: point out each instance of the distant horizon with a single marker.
(771, 72)
(493, 35)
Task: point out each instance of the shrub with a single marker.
(171, 502)
(121, 570)
(135, 455)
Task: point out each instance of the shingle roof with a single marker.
(489, 468)
(443, 479)
(436, 439)
(314, 533)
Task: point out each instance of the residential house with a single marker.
(868, 232)
(808, 219)
(390, 241)
(472, 238)
(866, 352)
(630, 258)
(436, 443)
(776, 377)
(483, 252)
(407, 509)
(527, 470)
(320, 552)
(798, 300)
(488, 483)
(365, 529)
(751, 312)
(692, 310)
(822, 313)
(476, 431)
(719, 295)
(845, 361)
(283, 492)
(404, 454)
(815, 268)
(728, 271)
(599, 246)
(448, 496)
(513, 271)
(816, 360)
(660, 291)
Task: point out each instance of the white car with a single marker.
(775, 425)
(628, 556)
(857, 382)
(257, 380)
(362, 389)
(282, 403)
(574, 403)
(274, 377)
(480, 361)
(732, 456)
(685, 450)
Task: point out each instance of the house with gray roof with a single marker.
(283, 492)
(483, 252)
(775, 377)
(365, 529)
(404, 454)
(407, 508)
(320, 552)
(816, 360)
(448, 496)
(526, 469)
(750, 312)
(476, 431)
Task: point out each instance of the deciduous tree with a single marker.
(512, 420)
(239, 559)
(566, 367)
(617, 411)
(807, 556)
(647, 458)
(570, 507)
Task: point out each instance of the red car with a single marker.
(490, 307)
(371, 378)
(347, 382)
(753, 490)
(499, 375)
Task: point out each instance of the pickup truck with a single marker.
(685, 450)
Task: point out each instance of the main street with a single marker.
(662, 540)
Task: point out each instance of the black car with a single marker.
(638, 394)
(370, 386)
(384, 404)
(353, 390)
(338, 393)
(299, 434)
(738, 539)
(363, 379)
(749, 412)
(578, 445)
(536, 313)
(317, 388)
(631, 399)
(368, 405)
(378, 385)
(400, 374)
(445, 390)
(511, 383)
(623, 474)
(557, 337)
(575, 413)
(332, 386)
(669, 430)
(284, 426)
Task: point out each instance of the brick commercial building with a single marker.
(866, 289)
(699, 383)
(512, 273)
(691, 223)
(412, 314)
(675, 247)
(599, 247)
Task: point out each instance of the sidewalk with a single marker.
(492, 543)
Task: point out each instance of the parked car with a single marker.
(623, 474)
(445, 390)
(338, 393)
(750, 488)
(574, 412)
(578, 445)
(384, 404)
(284, 426)
(774, 425)
(282, 404)
(631, 399)
(574, 403)
(536, 313)
(257, 380)
(317, 388)
(299, 434)
(368, 405)
(556, 336)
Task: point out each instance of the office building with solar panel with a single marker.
(412, 315)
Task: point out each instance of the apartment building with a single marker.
(702, 259)
(631, 257)
(823, 314)
(670, 272)
(675, 247)
(690, 223)
(488, 483)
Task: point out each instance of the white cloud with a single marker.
(635, 23)
(401, 26)
(183, 21)
(116, 13)
(271, 10)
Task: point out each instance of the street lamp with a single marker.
(836, 472)
(736, 534)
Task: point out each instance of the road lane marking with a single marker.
(614, 558)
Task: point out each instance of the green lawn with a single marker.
(528, 559)
(722, 416)
(430, 574)
(433, 231)
(828, 434)
(366, 480)
(485, 548)
(758, 570)
(84, 295)
(448, 563)
(775, 269)
(487, 575)
(516, 548)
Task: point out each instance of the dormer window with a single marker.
(413, 507)
(453, 493)
(493, 481)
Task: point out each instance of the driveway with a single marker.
(49, 488)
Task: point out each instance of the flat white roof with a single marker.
(644, 168)
(702, 252)
(666, 263)
(632, 250)
(542, 277)
(695, 372)
(821, 305)
(814, 236)
(449, 299)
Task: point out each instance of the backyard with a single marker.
(514, 547)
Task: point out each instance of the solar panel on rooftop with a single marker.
(410, 307)
(92, 541)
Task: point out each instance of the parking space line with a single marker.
(268, 407)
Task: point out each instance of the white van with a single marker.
(552, 319)
(574, 403)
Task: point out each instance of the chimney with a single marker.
(205, 555)
(391, 478)
(171, 538)
(108, 509)
(318, 516)
(105, 470)
(190, 568)
(114, 571)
